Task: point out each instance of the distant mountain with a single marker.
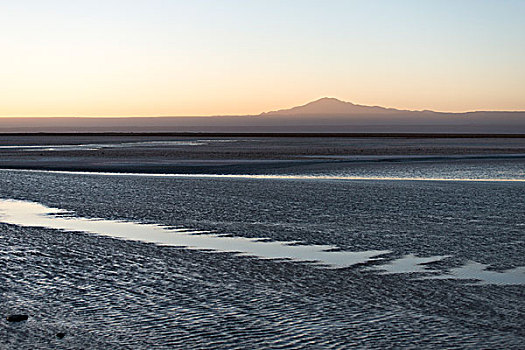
(333, 114)
(323, 115)
(332, 106)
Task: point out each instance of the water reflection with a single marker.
(473, 271)
(480, 275)
(23, 213)
(278, 177)
(98, 146)
(409, 264)
(31, 214)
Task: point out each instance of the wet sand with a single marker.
(232, 154)
(452, 276)
(104, 292)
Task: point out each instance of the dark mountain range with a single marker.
(332, 106)
(323, 115)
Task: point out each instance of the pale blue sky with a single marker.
(155, 57)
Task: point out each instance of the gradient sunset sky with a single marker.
(167, 58)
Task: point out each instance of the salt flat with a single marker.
(447, 267)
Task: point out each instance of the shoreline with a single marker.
(237, 167)
(262, 176)
(243, 155)
(414, 135)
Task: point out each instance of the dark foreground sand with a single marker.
(105, 293)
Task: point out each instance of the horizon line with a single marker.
(273, 112)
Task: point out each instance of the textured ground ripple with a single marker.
(109, 293)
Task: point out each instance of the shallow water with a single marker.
(25, 213)
(479, 273)
(100, 146)
(30, 214)
(440, 168)
(504, 176)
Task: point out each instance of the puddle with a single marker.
(98, 146)
(31, 214)
(409, 264)
(479, 273)
(473, 271)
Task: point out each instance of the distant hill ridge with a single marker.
(334, 106)
(330, 105)
(320, 116)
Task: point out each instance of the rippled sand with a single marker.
(111, 293)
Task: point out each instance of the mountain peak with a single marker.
(328, 106)
(328, 99)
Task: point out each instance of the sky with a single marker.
(194, 58)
